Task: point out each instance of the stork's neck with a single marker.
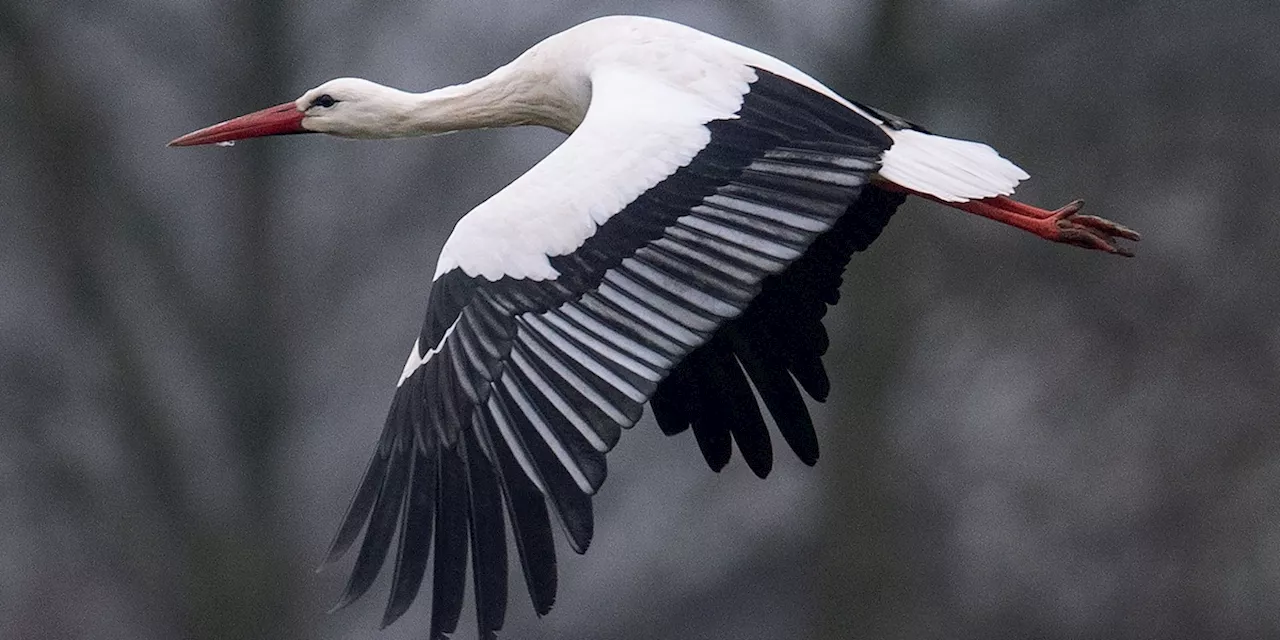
(510, 96)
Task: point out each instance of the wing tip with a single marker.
(389, 617)
(542, 609)
(808, 458)
(761, 468)
(342, 603)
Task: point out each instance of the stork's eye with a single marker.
(324, 101)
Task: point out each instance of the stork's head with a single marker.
(348, 107)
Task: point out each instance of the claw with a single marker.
(1091, 232)
(1113, 228)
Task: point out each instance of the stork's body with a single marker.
(679, 248)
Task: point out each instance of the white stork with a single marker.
(679, 248)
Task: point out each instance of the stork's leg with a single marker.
(1064, 225)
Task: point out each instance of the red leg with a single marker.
(1064, 225)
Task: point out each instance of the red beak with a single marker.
(277, 120)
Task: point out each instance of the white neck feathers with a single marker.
(510, 96)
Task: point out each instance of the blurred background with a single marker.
(198, 346)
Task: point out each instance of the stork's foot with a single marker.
(1066, 225)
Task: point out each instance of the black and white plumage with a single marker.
(679, 248)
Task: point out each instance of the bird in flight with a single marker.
(679, 248)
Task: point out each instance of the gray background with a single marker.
(1025, 440)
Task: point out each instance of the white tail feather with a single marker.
(948, 169)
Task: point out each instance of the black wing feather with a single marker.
(585, 457)
(362, 502)
(530, 522)
(452, 515)
(709, 430)
(727, 399)
(673, 407)
(767, 368)
(488, 539)
(571, 505)
(383, 521)
(419, 516)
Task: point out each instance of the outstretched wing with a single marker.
(777, 343)
(563, 303)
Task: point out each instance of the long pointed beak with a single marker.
(277, 120)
